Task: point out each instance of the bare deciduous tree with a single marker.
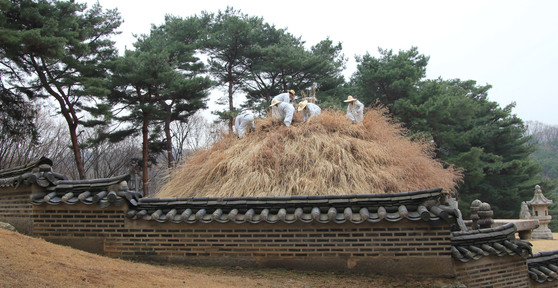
(197, 133)
(103, 160)
(53, 143)
(541, 132)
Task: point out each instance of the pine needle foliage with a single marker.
(326, 156)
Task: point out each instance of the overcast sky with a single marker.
(511, 45)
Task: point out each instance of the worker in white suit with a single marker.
(283, 97)
(243, 123)
(355, 109)
(308, 109)
(285, 111)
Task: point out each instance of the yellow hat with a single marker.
(302, 105)
(350, 99)
(274, 102)
(291, 92)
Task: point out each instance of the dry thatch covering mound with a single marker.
(327, 156)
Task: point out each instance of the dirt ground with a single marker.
(31, 262)
(545, 245)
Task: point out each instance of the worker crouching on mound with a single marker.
(243, 123)
(355, 110)
(283, 97)
(308, 109)
(285, 111)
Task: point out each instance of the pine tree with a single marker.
(470, 131)
(58, 49)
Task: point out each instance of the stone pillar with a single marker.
(481, 215)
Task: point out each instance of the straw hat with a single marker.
(350, 99)
(274, 102)
(291, 92)
(302, 105)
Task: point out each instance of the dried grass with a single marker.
(329, 155)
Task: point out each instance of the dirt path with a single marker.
(31, 262)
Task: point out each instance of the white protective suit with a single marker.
(355, 111)
(310, 110)
(283, 97)
(285, 112)
(243, 123)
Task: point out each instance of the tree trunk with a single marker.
(145, 150)
(169, 141)
(77, 151)
(231, 106)
(68, 112)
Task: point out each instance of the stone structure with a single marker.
(540, 204)
(524, 213)
(409, 233)
(481, 215)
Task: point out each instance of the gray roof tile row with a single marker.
(101, 198)
(29, 167)
(290, 215)
(498, 241)
(42, 178)
(543, 266)
(288, 209)
(102, 191)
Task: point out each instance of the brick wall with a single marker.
(494, 271)
(403, 247)
(81, 226)
(16, 209)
